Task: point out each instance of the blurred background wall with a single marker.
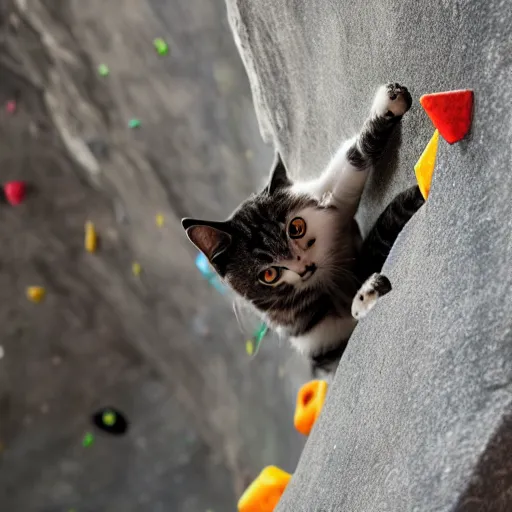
(163, 347)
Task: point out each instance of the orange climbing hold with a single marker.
(264, 493)
(310, 401)
(450, 112)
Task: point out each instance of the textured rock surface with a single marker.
(164, 348)
(418, 416)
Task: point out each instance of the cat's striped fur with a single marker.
(293, 249)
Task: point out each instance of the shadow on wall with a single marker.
(492, 490)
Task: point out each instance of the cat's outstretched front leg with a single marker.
(366, 297)
(346, 174)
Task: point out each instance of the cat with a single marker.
(376, 247)
(292, 250)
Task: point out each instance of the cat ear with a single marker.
(278, 175)
(211, 238)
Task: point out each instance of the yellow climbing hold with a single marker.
(136, 269)
(264, 493)
(424, 168)
(249, 347)
(35, 293)
(159, 219)
(91, 238)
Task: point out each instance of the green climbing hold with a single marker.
(109, 418)
(103, 70)
(253, 345)
(161, 46)
(260, 332)
(88, 440)
(134, 123)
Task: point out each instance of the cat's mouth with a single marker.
(307, 274)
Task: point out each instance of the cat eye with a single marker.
(270, 276)
(297, 228)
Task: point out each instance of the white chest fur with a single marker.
(328, 333)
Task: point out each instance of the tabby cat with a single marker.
(294, 250)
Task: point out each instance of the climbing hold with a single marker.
(2, 352)
(88, 440)
(136, 269)
(159, 219)
(264, 493)
(11, 106)
(109, 418)
(257, 337)
(15, 191)
(310, 400)
(450, 112)
(207, 271)
(161, 46)
(203, 265)
(111, 421)
(91, 238)
(103, 70)
(35, 293)
(424, 167)
(134, 123)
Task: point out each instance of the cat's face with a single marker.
(276, 245)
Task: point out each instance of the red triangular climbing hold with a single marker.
(450, 112)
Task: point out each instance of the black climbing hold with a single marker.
(110, 420)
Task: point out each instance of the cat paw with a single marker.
(373, 288)
(392, 100)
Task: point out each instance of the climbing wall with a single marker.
(125, 383)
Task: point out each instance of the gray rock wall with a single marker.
(164, 348)
(418, 418)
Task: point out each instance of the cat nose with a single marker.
(309, 268)
(311, 242)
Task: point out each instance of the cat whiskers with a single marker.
(262, 303)
(338, 272)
